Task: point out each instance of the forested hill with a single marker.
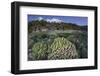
(43, 25)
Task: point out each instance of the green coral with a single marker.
(62, 49)
(39, 50)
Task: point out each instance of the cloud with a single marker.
(50, 20)
(54, 20)
(40, 18)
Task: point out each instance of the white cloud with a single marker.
(50, 20)
(54, 20)
(40, 18)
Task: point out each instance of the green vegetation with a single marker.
(41, 25)
(62, 49)
(39, 50)
(80, 40)
(51, 41)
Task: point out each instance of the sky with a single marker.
(67, 19)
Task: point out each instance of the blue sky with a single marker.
(67, 19)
